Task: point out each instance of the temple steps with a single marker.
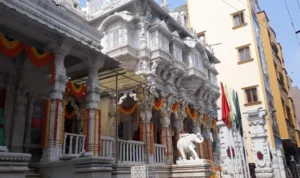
(32, 174)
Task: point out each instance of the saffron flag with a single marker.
(225, 108)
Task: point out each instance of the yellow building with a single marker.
(280, 84)
(234, 27)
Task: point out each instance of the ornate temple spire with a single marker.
(164, 4)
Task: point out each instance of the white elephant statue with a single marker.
(185, 144)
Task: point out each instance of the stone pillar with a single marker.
(217, 142)
(93, 99)
(166, 131)
(207, 143)
(166, 135)
(19, 121)
(53, 140)
(147, 131)
(145, 101)
(31, 98)
(259, 139)
(112, 121)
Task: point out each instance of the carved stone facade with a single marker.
(145, 39)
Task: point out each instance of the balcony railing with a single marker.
(107, 146)
(73, 144)
(131, 151)
(159, 153)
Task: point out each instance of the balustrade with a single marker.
(107, 146)
(159, 153)
(131, 151)
(73, 144)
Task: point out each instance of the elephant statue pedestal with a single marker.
(191, 162)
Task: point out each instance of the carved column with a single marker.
(207, 142)
(93, 100)
(166, 132)
(112, 115)
(31, 98)
(145, 101)
(19, 121)
(53, 132)
(259, 139)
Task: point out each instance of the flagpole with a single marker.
(241, 155)
(246, 156)
(231, 153)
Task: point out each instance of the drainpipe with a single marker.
(116, 122)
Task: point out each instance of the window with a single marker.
(244, 53)
(251, 96)
(238, 19)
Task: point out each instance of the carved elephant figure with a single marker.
(186, 144)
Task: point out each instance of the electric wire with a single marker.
(271, 23)
(291, 41)
(287, 8)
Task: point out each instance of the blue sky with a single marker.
(280, 22)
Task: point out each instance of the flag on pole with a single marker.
(225, 108)
(239, 115)
(235, 109)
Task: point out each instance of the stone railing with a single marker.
(73, 144)
(131, 151)
(107, 146)
(159, 153)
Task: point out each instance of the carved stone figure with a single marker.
(186, 143)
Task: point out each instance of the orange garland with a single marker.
(174, 107)
(213, 123)
(70, 115)
(87, 130)
(38, 57)
(128, 111)
(192, 115)
(63, 122)
(151, 139)
(56, 121)
(141, 131)
(10, 47)
(158, 104)
(77, 92)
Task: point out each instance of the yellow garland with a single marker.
(95, 131)
(63, 122)
(37, 54)
(48, 123)
(7, 43)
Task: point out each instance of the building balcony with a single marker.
(291, 131)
